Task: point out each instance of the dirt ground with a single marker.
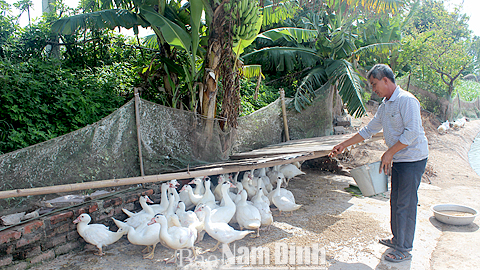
(346, 227)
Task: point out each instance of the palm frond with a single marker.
(315, 81)
(298, 34)
(349, 85)
(377, 6)
(283, 58)
(278, 12)
(109, 19)
(377, 48)
(151, 41)
(174, 34)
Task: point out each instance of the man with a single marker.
(405, 159)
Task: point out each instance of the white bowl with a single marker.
(441, 213)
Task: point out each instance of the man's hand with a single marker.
(337, 149)
(387, 157)
(386, 166)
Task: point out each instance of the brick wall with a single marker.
(49, 236)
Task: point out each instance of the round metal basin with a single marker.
(454, 214)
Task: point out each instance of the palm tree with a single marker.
(321, 49)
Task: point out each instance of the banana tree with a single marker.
(217, 64)
(161, 16)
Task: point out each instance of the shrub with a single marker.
(41, 100)
(266, 95)
(468, 90)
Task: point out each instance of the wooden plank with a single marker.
(215, 170)
(316, 144)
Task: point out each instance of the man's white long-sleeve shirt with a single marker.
(400, 119)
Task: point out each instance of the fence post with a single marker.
(284, 112)
(139, 134)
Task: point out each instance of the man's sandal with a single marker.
(387, 242)
(398, 256)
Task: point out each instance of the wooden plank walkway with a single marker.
(319, 146)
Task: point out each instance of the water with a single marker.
(474, 154)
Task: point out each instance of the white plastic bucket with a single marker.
(369, 180)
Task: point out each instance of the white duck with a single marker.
(273, 174)
(208, 198)
(96, 234)
(226, 212)
(247, 184)
(142, 217)
(175, 237)
(283, 199)
(185, 198)
(283, 191)
(173, 183)
(199, 186)
(143, 203)
(185, 217)
(176, 197)
(193, 197)
(189, 218)
(235, 178)
(172, 218)
(235, 196)
(162, 207)
(262, 204)
(143, 236)
(222, 232)
(266, 180)
(248, 215)
(218, 189)
(290, 171)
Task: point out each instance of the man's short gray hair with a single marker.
(381, 70)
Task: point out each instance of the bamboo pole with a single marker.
(155, 178)
(284, 112)
(139, 134)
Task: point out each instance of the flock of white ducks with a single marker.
(182, 218)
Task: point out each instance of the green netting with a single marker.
(171, 139)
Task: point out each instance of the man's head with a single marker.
(382, 80)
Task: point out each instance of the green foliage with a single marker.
(468, 90)
(7, 27)
(266, 95)
(28, 43)
(42, 100)
(435, 46)
(98, 48)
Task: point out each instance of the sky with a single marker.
(37, 12)
(469, 7)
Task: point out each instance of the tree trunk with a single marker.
(219, 64)
(212, 72)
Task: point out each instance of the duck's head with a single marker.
(173, 183)
(145, 198)
(83, 218)
(158, 218)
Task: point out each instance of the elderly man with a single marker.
(405, 159)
